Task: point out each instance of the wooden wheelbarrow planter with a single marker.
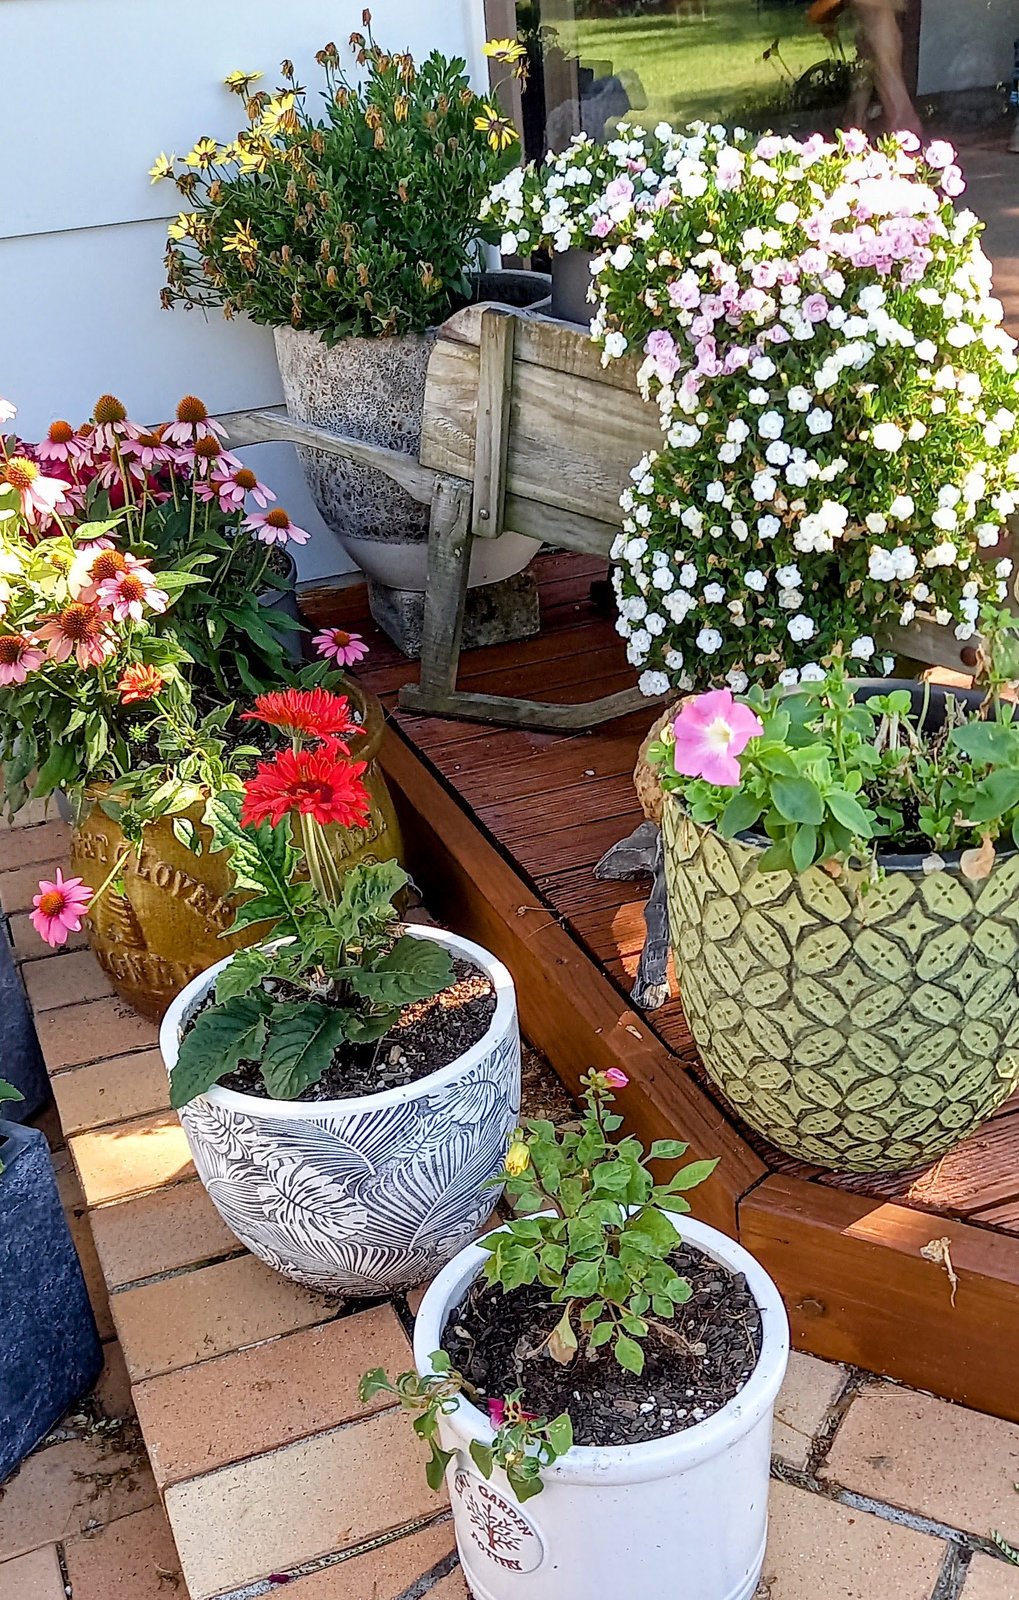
(523, 429)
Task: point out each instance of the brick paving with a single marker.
(253, 1461)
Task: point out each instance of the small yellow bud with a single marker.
(518, 1159)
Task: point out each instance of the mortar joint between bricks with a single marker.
(953, 1572)
(262, 1586)
(824, 1438)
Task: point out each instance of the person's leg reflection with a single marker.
(880, 42)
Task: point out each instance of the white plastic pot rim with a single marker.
(171, 1027)
(658, 1458)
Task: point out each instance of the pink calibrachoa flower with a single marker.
(335, 644)
(661, 347)
(710, 732)
(19, 655)
(40, 496)
(616, 1078)
(59, 908)
(79, 629)
(131, 594)
(275, 527)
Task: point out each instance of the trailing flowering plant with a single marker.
(338, 967)
(838, 397)
(828, 777)
(360, 221)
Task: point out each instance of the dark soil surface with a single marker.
(704, 1358)
(429, 1035)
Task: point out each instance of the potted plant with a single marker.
(352, 234)
(137, 601)
(346, 1086)
(50, 1352)
(842, 868)
(838, 398)
(614, 1356)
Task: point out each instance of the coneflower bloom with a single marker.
(205, 455)
(40, 496)
(19, 656)
(139, 683)
(59, 907)
(193, 422)
(275, 527)
(335, 644)
(111, 424)
(149, 448)
(61, 444)
(81, 630)
(131, 594)
(87, 571)
(313, 712)
(232, 488)
(315, 783)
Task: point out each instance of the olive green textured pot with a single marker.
(861, 1029)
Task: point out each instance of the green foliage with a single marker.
(361, 221)
(521, 1446)
(831, 778)
(336, 970)
(603, 1246)
(8, 1092)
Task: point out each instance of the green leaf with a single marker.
(798, 799)
(245, 972)
(299, 1046)
(560, 1434)
(739, 815)
(414, 969)
(8, 1091)
(524, 1487)
(185, 832)
(667, 1150)
(656, 1226)
(435, 1470)
(222, 1037)
(996, 743)
(692, 1174)
(804, 847)
(601, 1334)
(629, 1354)
(850, 813)
(483, 1457)
(582, 1278)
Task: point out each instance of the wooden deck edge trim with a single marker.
(858, 1289)
(568, 1008)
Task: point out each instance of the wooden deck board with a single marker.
(516, 822)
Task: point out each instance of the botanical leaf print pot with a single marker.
(362, 1196)
(863, 1032)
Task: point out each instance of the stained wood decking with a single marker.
(518, 819)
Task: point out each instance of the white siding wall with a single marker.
(93, 91)
(966, 44)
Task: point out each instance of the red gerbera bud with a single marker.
(316, 783)
(312, 712)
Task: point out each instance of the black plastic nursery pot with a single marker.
(49, 1344)
(571, 279)
(21, 1060)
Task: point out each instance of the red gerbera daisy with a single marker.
(312, 712)
(314, 782)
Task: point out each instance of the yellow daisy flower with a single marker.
(183, 225)
(164, 168)
(500, 130)
(240, 82)
(505, 50)
(203, 155)
(243, 240)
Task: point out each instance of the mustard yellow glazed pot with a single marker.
(865, 1029)
(167, 925)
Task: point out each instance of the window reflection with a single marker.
(945, 68)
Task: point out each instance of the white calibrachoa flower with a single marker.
(810, 372)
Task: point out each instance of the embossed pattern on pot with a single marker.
(864, 1033)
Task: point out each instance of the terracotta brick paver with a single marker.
(255, 1400)
(111, 1091)
(75, 1211)
(63, 1489)
(927, 1455)
(18, 887)
(180, 1320)
(77, 1034)
(131, 1157)
(810, 1390)
(304, 1501)
(133, 1559)
(67, 980)
(23, 847)
(383, 1574)
(36, 1576)
(821, 1551)
(988, 1579)
(160, 1232)
(27, 944)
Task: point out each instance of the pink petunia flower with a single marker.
(335, 644)
(131, 594)
(711, 731)
(616, 1078)
(275, 527)
(19, 655)
(601, 226)
(59, 908)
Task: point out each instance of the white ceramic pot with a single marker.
(362, 1196)
(685, 1515)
